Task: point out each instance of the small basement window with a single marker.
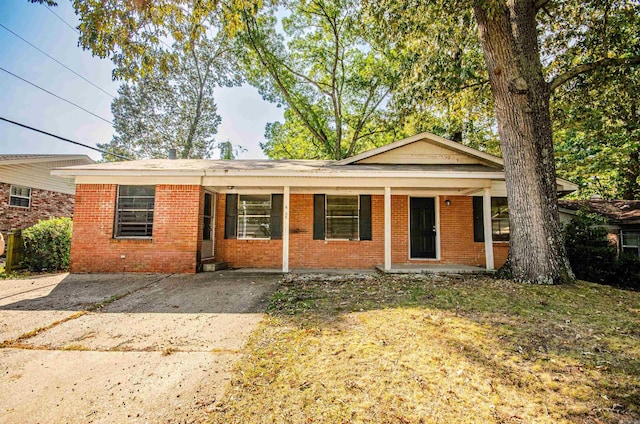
(20, 196)
(134, 211)
(254, 216)
(342, 217)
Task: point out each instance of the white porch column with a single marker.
(387, 228)
(285, 230)
(488, 233)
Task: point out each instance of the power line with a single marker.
(55, 95)
(65, 22)
(58, 62)
(63, 139)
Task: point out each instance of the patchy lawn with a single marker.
(440, 349)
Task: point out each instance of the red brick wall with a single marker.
(244, 253)
(304, 252)
(177, 236)
(44, 205)
(174, 247)
(456, 244)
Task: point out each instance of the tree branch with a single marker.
(561, 79)
(317, 133)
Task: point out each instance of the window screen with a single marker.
(254, 216)
(342, 221)
(134, 211)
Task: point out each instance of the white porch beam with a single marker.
(387, 228)
(488, 234)
(285, 230)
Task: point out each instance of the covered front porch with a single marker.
(436, 221)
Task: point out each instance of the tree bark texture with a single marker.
(521, 95)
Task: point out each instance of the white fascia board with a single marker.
(48, 159)
(271, 174)
(138, 180)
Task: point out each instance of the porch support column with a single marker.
(285, 230)
(488, 233)
(387, 228)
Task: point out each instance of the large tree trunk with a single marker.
(521, 97)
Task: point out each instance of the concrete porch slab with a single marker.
(434, 269)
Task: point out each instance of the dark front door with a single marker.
(423, 227)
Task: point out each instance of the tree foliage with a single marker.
(445, 87)
(174, 107)
(530, 49)
(598, 141)
(334, 83)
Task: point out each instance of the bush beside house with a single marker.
(594, 258)
(47, 245)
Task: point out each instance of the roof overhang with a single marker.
(46, 158)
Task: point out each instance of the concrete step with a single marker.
(214, 266)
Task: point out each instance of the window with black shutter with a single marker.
(341, 217)
(500, 228)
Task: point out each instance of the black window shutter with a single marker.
(318, 216)
(365, 217)
(231, 216)
(276, 216)
(478, 219)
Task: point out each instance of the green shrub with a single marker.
(594, 258)
(47, 245)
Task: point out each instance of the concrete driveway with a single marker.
(123, 347)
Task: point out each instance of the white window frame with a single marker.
(11, 194)
(326, 216)
(622, 241)
(242, 235)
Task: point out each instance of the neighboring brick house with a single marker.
(28, 191)
(419, 201)
(622, 219)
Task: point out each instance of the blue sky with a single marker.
(244, 113)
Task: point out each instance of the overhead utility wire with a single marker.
(63, 139)
(55, 95)
(65, 22)
(58, 62)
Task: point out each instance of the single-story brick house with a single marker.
(28, 191)
(422, 200)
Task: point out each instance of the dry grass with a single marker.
(438, 349)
